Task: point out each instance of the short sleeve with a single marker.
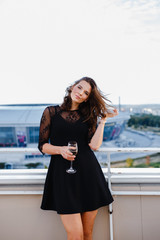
(44, 131)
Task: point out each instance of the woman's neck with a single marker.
(74, 106)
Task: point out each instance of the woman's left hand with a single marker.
(111, 113)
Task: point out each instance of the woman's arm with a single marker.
(97, 138)
(51, 149)
(61, 150)
(44, 135)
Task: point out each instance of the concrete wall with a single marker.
(134, 217)
(22, 219)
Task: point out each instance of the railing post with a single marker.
(110, 205)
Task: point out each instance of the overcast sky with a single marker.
(45, 45)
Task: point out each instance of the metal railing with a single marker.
(110, 174)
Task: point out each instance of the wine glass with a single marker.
(73, 148)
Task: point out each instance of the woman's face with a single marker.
(80, 92)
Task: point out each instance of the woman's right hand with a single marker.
(67, 154)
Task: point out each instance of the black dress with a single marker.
(87, 189)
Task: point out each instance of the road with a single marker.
(130, 138)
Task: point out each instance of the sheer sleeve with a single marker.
(91, 131)
(44, 131)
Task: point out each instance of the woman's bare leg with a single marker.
(73, 226)
(88, 222)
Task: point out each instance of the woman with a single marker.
(76, 197)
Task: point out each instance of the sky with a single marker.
(46, 45)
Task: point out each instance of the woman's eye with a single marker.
(79, 87)
(86, 93)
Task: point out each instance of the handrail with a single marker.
(18, 150)
(102, 149)
(110, 174)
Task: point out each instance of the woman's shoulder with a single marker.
(53, 109)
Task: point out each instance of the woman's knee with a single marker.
(87, 234)
(73, 226)
(75, 235)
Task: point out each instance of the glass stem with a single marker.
(71, 165)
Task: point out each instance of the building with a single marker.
(19, 127)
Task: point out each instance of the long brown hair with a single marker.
(94, 107)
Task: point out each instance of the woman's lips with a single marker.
(77, 97)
